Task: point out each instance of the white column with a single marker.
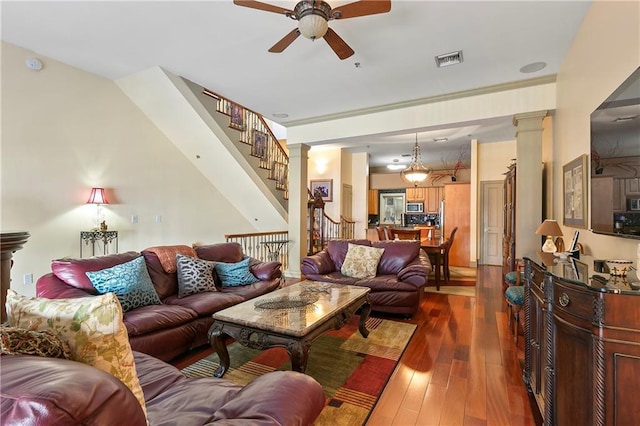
(528, 181)
(298, 158)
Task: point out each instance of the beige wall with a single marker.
(65, 131)
(494, 158)
(605, 51)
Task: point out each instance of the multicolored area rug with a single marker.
(352, 370)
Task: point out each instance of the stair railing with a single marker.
(254, 131)
(264, 246)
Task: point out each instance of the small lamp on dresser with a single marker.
(551, 229)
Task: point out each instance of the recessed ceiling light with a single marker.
(533, 67)
(440, 139)
(396, 165)
(280, 115)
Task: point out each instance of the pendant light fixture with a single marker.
(416, 172)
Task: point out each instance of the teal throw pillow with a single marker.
(235, 274)
(129, 281)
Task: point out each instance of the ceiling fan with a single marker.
(313, 17)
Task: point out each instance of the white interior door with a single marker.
(492, 204)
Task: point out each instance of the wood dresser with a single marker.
(582, 342)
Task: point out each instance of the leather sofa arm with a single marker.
(280, 398)
(52, 287)
(317, 264)
(266, 271)
(416, 272)
(52, 391)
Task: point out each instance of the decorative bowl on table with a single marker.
(619, 267)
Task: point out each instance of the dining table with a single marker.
(434, 247)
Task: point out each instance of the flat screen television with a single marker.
(615, 161)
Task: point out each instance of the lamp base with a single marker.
(549, 246)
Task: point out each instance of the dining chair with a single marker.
(407, 234)
(445, 264)
(390, 234)
(382, 235)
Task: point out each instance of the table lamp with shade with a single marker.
(551, 229)
(98, 198)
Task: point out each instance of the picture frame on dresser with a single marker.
(575, 197)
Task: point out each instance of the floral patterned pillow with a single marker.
(91, 326)
(361, 261)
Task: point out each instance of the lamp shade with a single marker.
(549, 227)
(97, 196)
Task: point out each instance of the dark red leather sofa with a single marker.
(52, 391)
(400, 279)
(177, 325)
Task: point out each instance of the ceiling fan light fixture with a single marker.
(313, 26)
(416, 172)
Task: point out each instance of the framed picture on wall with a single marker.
(575, 192)
(237, 117)
(325, 187)
(259, 144)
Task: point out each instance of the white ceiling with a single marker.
(223, 47)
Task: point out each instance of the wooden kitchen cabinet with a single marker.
(372, 202)
(433, 199)
(457, 213)
(416, 194)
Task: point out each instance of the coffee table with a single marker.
(291, 317)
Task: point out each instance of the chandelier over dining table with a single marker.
(416, 172)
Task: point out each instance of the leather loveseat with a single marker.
(400, 279)
(52, 391)
(178, 324)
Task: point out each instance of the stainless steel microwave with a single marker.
(415, 207)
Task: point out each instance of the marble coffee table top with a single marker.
(294, 310)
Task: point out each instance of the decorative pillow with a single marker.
(91, 326)
(19, 341)
(129, 281)
(194, 275)
(361, 261)
(235, 274)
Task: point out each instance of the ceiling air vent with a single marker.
(449, 59)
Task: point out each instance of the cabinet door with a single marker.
(373, 201)
(573, 374)
(432, 204)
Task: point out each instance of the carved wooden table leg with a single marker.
(299, 353)
(217, 341)
(364, 315)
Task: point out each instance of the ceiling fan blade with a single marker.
(338, 45)
(285, 41)
(263, 6)
(361, 8)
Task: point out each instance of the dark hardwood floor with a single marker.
(462, 366)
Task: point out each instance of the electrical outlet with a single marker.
(158, 218)
(134, 218)
(27, 279)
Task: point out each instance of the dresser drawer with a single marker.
(573, 301)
